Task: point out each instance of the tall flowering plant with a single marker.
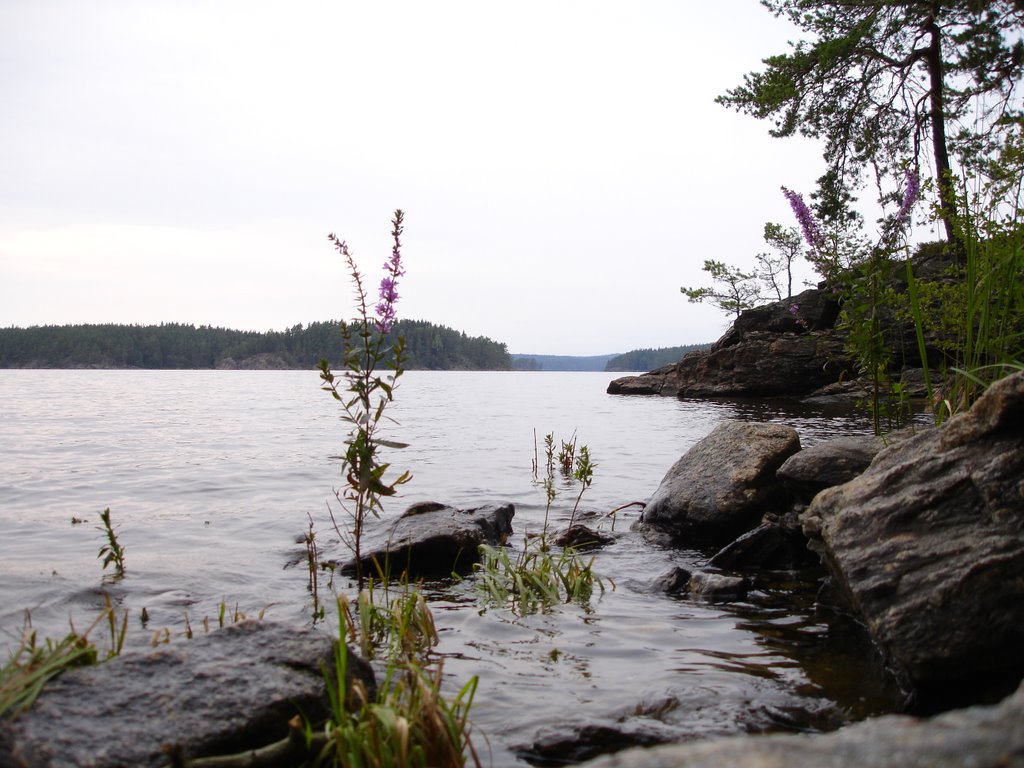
(365, 391)
(864, 292)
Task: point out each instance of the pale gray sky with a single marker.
(562, 165)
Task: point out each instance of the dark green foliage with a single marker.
(174, 345)
(882, 82)
(734, 289)
(436, 347)
(560, 362)
(649, 359)
(112, 552)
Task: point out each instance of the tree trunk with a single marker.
(943, 171)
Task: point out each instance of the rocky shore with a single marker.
(920, 536)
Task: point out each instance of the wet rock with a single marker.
(979, 737)
(723, 485)
(830, 463)
(674, 582)
(927, 545)
(589, 741)
(581, 537)
(226, 692)
(432, 539)
(770, 546)
(718, 586)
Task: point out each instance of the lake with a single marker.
(212, 477)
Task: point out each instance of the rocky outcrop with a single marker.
(927, 545)
(769, 350)
(432, 539)
(979, 737)
(723, 485)
(222, 693)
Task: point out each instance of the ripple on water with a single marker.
(212, 475)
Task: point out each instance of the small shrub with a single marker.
(112, 552)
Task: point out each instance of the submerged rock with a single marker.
(979, 737)
(432, 539)
(771, 546)
(588, 741)
(927, 546)
(723, 485)
(582, 537)
(674, 582)
(718, 586)
(232, 690)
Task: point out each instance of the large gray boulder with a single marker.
(723, 485)
(979, 737)
(432, 539)
(927, 545)
(232, 690)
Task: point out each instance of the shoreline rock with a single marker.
(432, 539)
(723, 486)
(978, 737)
(230, 691)
(927, 545)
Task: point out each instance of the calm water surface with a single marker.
(212, 477)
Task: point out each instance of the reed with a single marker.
(973, 316)
(35, 662)
(410, 722)
(537, 578)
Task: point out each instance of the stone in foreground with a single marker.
(232, 690)
(723, 485)
(979, 737)
(433, 540)
(928, 547)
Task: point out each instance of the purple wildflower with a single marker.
(794, 310)
(812, 233)
(389, 283)
(909, 198)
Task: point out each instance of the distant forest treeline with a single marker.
(172, 345)
(649, 359)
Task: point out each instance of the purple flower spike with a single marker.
(812, 234)
(389, 283)
(909, 198)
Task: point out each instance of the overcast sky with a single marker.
(562, 165)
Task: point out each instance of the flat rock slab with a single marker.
(232, 690)
(928, 547)
(723, 485)
(979, 737)
(432, 539)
